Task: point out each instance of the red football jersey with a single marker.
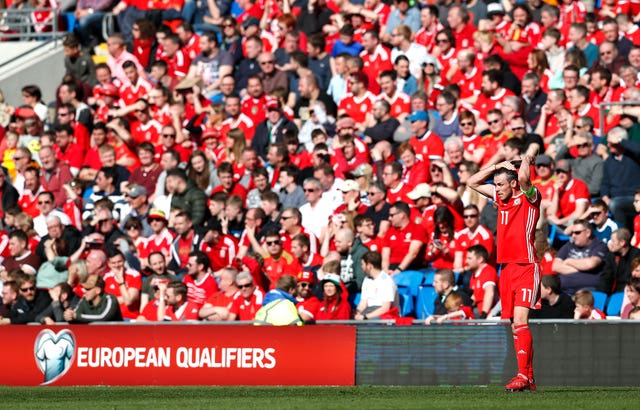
(357, 108)
(398, 240)
(246, 309)
(485, 276)
(309, 306)
(222, 253)
(428, 145)
(517, 220)
(188, 311)
(485, 104)
(466, 239)
(132, 279)
(199, 291)
(575, 191)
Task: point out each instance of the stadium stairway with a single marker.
(30, 62)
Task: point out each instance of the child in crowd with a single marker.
(7, 159)
(585, 306)
(455, 311)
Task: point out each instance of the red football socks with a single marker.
(523, 345)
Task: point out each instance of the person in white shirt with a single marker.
(379, 297)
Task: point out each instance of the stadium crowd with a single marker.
(298, 154)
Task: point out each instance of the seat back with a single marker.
(599, 300)
(424, 303)
(614, 306)
(409, 281)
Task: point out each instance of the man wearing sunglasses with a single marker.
(307, 304)
(586, 166)
(31, 302)
(580, 261)
(248, 300)
(277, 261)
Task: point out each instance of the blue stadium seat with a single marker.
(615, 304)
(429, 278)
(354, 299)
(409, 281)
(406, 305)
(556, 237)
(424, 304)
(600, 300)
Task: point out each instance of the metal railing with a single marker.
(18, 25)
(603, 111)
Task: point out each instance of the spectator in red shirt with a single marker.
(300, 248)
(67, 115)
(335, 305)
(217, 306)
(32, 188)
(53, 174)
(227, 183)
(585, 306)
(463, 29)
(484, 280)
(200, 283)
(376, 59)
(492, 95)
(277, 261)
(173, 305)
(247, 301)
(66, 150)
(254, 105)
(415, 170)
(307, 303)
(359, 102)
(220, 248)
(404, 242)
(426, 143)
(176, 58)
(571, 196)
(125, 284)
(397, 190)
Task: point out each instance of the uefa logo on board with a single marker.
(54, 353)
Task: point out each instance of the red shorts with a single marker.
(519, 286)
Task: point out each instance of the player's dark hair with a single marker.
(509, 174)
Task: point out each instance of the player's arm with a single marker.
(524, 174)
(476, 181)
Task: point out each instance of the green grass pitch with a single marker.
(278, 398)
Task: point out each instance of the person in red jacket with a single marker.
(335, 305)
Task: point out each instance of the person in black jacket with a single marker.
(31, 302)
(444, 282)
(96, 305)
(271, 129)
(8, 193)
(555, 303)
(62, 298)
(617, 264)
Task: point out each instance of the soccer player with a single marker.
(518, 204)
